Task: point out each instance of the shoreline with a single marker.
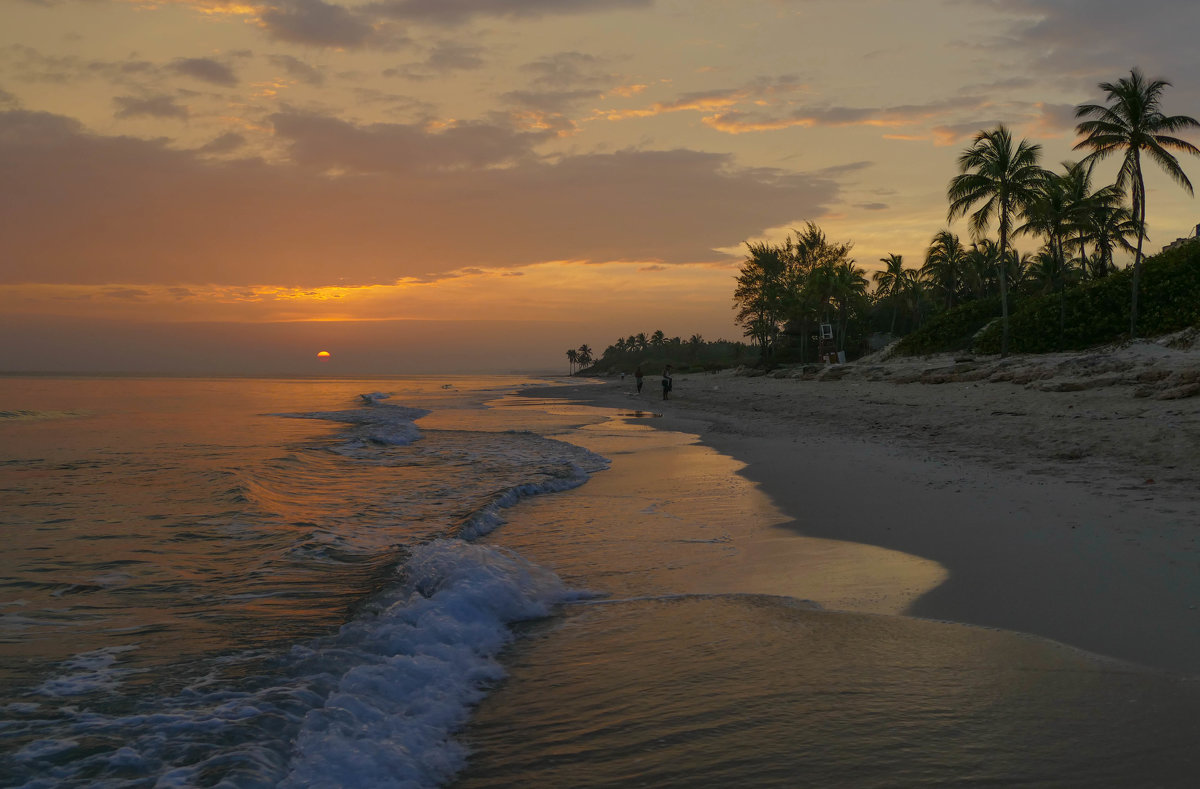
(1070, 513)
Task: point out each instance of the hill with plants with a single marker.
(1087, 314)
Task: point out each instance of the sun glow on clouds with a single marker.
(551, 291)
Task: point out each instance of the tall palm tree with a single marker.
(584, 356)
(573, 358)
(1132, 123)
(944, 262)
(890, 282)
(1003, 178)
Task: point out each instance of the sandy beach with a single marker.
(1060, 493)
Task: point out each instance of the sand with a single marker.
(1060, 493)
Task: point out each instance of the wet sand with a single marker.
(746, 626)
(1071, 512)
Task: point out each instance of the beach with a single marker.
(519, 581)
(1060, 493)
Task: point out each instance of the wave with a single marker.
(376, 423)
(25, 415)
(376, 704)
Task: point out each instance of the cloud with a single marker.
(716, 99)
(84, 208)
(445, 57)
(735, 122)
(553, 101)
(457, 12)
(298, 69)
(1086, 41)
(151, 107)
(317, 23)
(225, 143)
(453, 56)
(872, 206)
(565, 70)
(206, 70)
(327, 143)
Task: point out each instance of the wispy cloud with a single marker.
(206, 70)
(150, 107)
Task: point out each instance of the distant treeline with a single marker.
(654, 351)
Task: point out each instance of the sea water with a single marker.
(258, 583)
(419, 582)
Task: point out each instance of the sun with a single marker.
(323, 355)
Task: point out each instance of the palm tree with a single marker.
(658, 339)
(890, 282)
(573, 358)
(981, 268)
(913, 290)
(1003, 179)
(760, 295)
(1109, 227)
(1132, 122)
(944, 262)
(584, 356)
(848, 289)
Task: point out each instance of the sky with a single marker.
(232, 186)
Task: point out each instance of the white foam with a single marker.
(381, 423)
(488, 518)
(423, 659)
(87, 672)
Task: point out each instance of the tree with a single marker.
(1003, 178)
(658, 339)
(573, 358)
(759, 295)
(1109, 227)
(848, 290)
(944, 263)
(584, 356)
(890, 283)
(1130, 124)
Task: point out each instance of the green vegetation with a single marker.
(805, 298)
(1098, 312)
(1068, 295)
(653, 353)
(951, 330)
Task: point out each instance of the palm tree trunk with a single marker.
(1139, 186)
(1003, 281)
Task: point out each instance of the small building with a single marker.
(1181, 241)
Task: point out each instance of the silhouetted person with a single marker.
(666, 381)
(637, 376)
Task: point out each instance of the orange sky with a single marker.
(460, 185)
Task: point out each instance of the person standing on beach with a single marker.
(637, 376)
(666, 382)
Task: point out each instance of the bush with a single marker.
(1097, 312)
(952, 330)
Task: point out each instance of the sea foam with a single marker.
(424, 656)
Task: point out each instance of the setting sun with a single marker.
(323, 354)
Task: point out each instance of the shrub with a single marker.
(951, 330)
(1097, 312)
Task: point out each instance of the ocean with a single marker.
(463, 581)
